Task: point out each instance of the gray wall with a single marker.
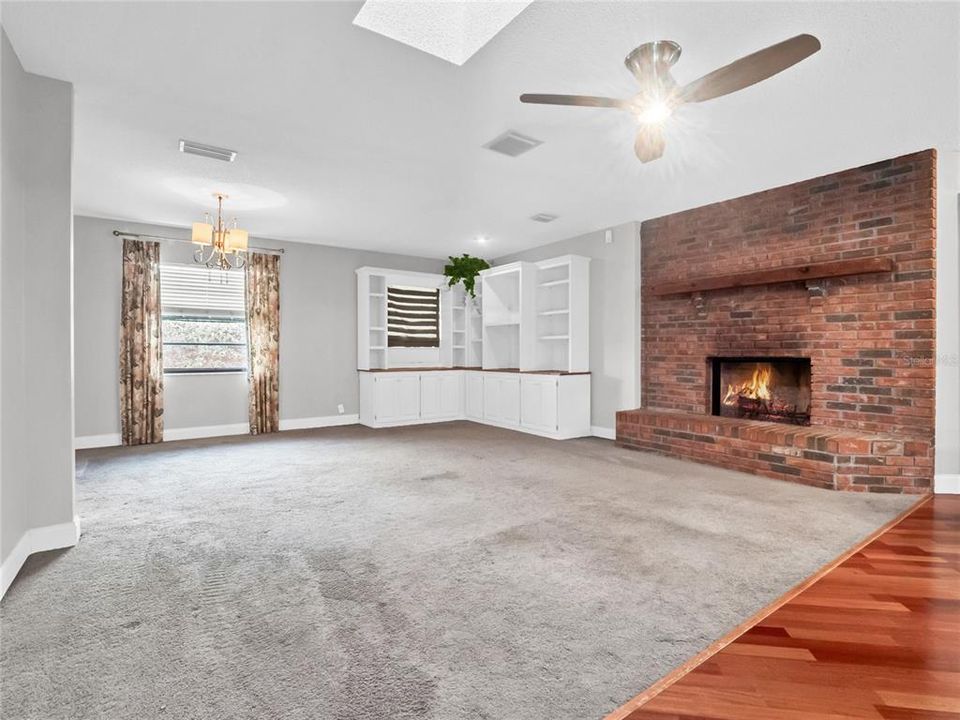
(614, 315)
(36, 350)
(318, 332)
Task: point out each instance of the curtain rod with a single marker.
(138, 236)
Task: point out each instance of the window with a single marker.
(203, 319)
(413, 317)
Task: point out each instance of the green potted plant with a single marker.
(465, 269)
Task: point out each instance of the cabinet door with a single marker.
(397, 398)
(510, 400)
(441, 395)
(473, 400)
(451, 394)
(501, 398)
(491, 398)
(430, 396)
(538, 402)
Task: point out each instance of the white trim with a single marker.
(97, 441)
(34, 540)
(944, 484)
(602, 432)
(205, 431)
(318, 422)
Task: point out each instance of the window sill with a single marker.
(204, 373)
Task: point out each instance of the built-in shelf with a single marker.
(378, 294)
(378, 347)
(502, 322)
(459, 347)
(554, 312)
(551, 283)
(554, 337)
(377, 329)
(772, 276)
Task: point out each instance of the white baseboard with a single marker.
(205, 431)
(946, 484)
(97, 441)
(602, 432)
(40, 539)
(318, 422)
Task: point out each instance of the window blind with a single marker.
(193, 288)
(413, 317)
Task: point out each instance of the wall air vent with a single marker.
(512, 143)
(210, 151)
(543, 217)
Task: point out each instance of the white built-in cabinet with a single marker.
(473, 395)
(460, 328)
(441, 395)
(501, 398)
(536, 315)
(516, 356)
(552, 405)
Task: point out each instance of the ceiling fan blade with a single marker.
(750, 69)
(650, 143)
(577, 100)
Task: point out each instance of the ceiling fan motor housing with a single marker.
(657, 56)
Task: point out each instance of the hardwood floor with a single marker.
(877, 636)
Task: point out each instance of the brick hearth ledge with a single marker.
(812, 455)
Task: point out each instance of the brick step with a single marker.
(813, 455)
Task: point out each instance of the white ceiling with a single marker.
(346, 137)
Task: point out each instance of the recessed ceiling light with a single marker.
(512, 143)
(543, 217)
(453, 31)
(210, 151)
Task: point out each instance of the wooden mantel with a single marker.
(771, 276)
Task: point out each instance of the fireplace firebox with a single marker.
(771, 389)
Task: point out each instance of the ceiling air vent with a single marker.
(543, 217)
(512, 143)
(210, 151)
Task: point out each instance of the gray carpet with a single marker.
(451, 571)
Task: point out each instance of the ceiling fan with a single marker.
(659, 93)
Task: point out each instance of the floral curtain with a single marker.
(263, 339)
(141, 346)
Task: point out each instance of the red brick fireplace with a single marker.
(827, 285)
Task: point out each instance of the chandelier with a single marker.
(220, 247)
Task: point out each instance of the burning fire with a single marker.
(756, 388)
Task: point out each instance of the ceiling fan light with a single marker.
(654, 113)
(202, 233)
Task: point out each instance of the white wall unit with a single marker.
(441, 395)
(538, 402)
(473, 395)
(391, 398)
(371, 321)
(528, 318)
(501, 398)
(508, 316)
(536, 315)
(474, 323)
(549, 404)
(463, 322)
(373, 347)
(563, 314)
